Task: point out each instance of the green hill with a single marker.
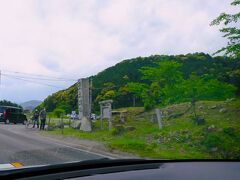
(111, 83)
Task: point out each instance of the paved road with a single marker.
(19, 144)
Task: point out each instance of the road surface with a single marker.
(19, 144)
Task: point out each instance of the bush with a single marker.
(229, 131)
(117, 130)
(227, 146)
(212, 140)
(58, 112)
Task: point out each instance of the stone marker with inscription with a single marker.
(106, 112)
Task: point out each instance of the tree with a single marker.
(58, 112)
(144, 92)
(163, 79)
(167, 86)
(205, 88)
(107, 92)
(231, 32)
(124, 97)
(165, 73)
(49, 103)
(9, 103)
(128, 71)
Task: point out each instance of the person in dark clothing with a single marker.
(42, 115)
(35, 118)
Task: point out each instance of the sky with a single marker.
(79, 38)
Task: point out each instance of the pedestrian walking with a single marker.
(35, 118)
(42, 115)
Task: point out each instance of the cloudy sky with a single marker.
(78, 38)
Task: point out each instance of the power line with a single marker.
(31, 81)
(28, 77)
(38, 78)
(40, 75)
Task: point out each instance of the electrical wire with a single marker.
(28, 77)
(39, 75)
(38, 78)
(35, 82)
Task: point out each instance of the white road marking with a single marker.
(6, 166)
(68, 145)
(75, 148)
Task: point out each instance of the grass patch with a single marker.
(180, 138)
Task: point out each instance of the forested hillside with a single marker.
(113, 83)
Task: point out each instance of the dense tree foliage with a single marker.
(206, 88)
(114, 82)
(65, 99)
(58, 112)
(167, 86)
(9, 103)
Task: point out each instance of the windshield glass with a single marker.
(118, 79)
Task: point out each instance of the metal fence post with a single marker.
(48, 121)
(62, 125)
(101, 118)
(69, 123)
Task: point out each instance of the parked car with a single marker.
(11, 114)
(93, 116)
(74, 115)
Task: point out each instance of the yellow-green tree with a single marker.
(230, 30)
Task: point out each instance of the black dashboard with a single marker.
(178, 170)
(133, 169)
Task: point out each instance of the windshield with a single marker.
(118, 79)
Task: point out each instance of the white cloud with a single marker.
(74, 38)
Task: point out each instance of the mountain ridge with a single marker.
(30, 105)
